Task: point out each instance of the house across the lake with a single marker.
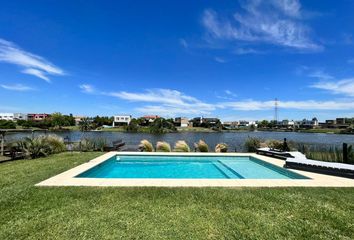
(121, 120)
(37, 116)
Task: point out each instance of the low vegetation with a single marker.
(181, 146)
(328, 154)
(252, 144)
(221, 147)
(41, 146)
(163, 147)
(146, 146)
(201, 146)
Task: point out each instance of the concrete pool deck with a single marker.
(67, 178)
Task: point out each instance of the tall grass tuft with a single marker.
(201, 146)
(181, 146)
(252, 144)
(221, 147)
(328, 154)
(163, 147)
(56, 143)
(146, 146)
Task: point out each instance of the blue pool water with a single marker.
(192, 167)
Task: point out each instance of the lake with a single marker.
(235, 140)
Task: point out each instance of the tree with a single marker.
(133, 126)
(58, 120)
(85, 124)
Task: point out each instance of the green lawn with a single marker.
(29, 212)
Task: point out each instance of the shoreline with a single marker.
(183, 130)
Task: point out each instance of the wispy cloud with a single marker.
(252, 105)
(243, 51)
(219, 60)
(168, 100)
(17, 87)
(183, 43)
(87, 88)
(320, 75)
(277, 22)
(344, 87)
(32, 64)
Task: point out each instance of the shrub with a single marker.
(252, 144)
(181, 146)
(146, 146)
(34, 148)
(163, 147)
(41, 146)
(86, 145)
(275, 144)
(221, 147)
(55, 143)
(201, 146)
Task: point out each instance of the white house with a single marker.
(121, 120)
(20, 116)
(7, 116)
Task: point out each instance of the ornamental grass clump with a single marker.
(56, 143)
(146, 146)
(163, 147)
(41, 146)
(252, 144)
(221, 147)
(201, 146)
(181, 146)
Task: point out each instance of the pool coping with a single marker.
(67, 178)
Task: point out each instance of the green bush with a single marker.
(4, 124)
(146, 146)
(55, 143)
(181, 146)
(252, 144)
(221, 147)
(325, 153)
(163, 147)
(201, 146)
(275, 144)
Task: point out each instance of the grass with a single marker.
(29, 212)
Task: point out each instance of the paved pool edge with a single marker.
(67, 178)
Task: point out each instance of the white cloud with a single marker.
(243, 51)
(31, 64)
(17, 87)
(171, 101)
(219, 60)
(183, 42)
(320, 75)
(345, 86)
(252, 105)
(87, 88)
(37, 73)
(273, 22)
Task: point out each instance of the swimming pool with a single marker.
(187, 167)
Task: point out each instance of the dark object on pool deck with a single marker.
(330, 168)
(285, 146)
(274, 153)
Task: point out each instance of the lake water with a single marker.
(235, 140)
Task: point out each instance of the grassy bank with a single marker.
(163, 213)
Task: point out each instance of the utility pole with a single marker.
(276, 110)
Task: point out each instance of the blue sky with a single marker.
(228, 59)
